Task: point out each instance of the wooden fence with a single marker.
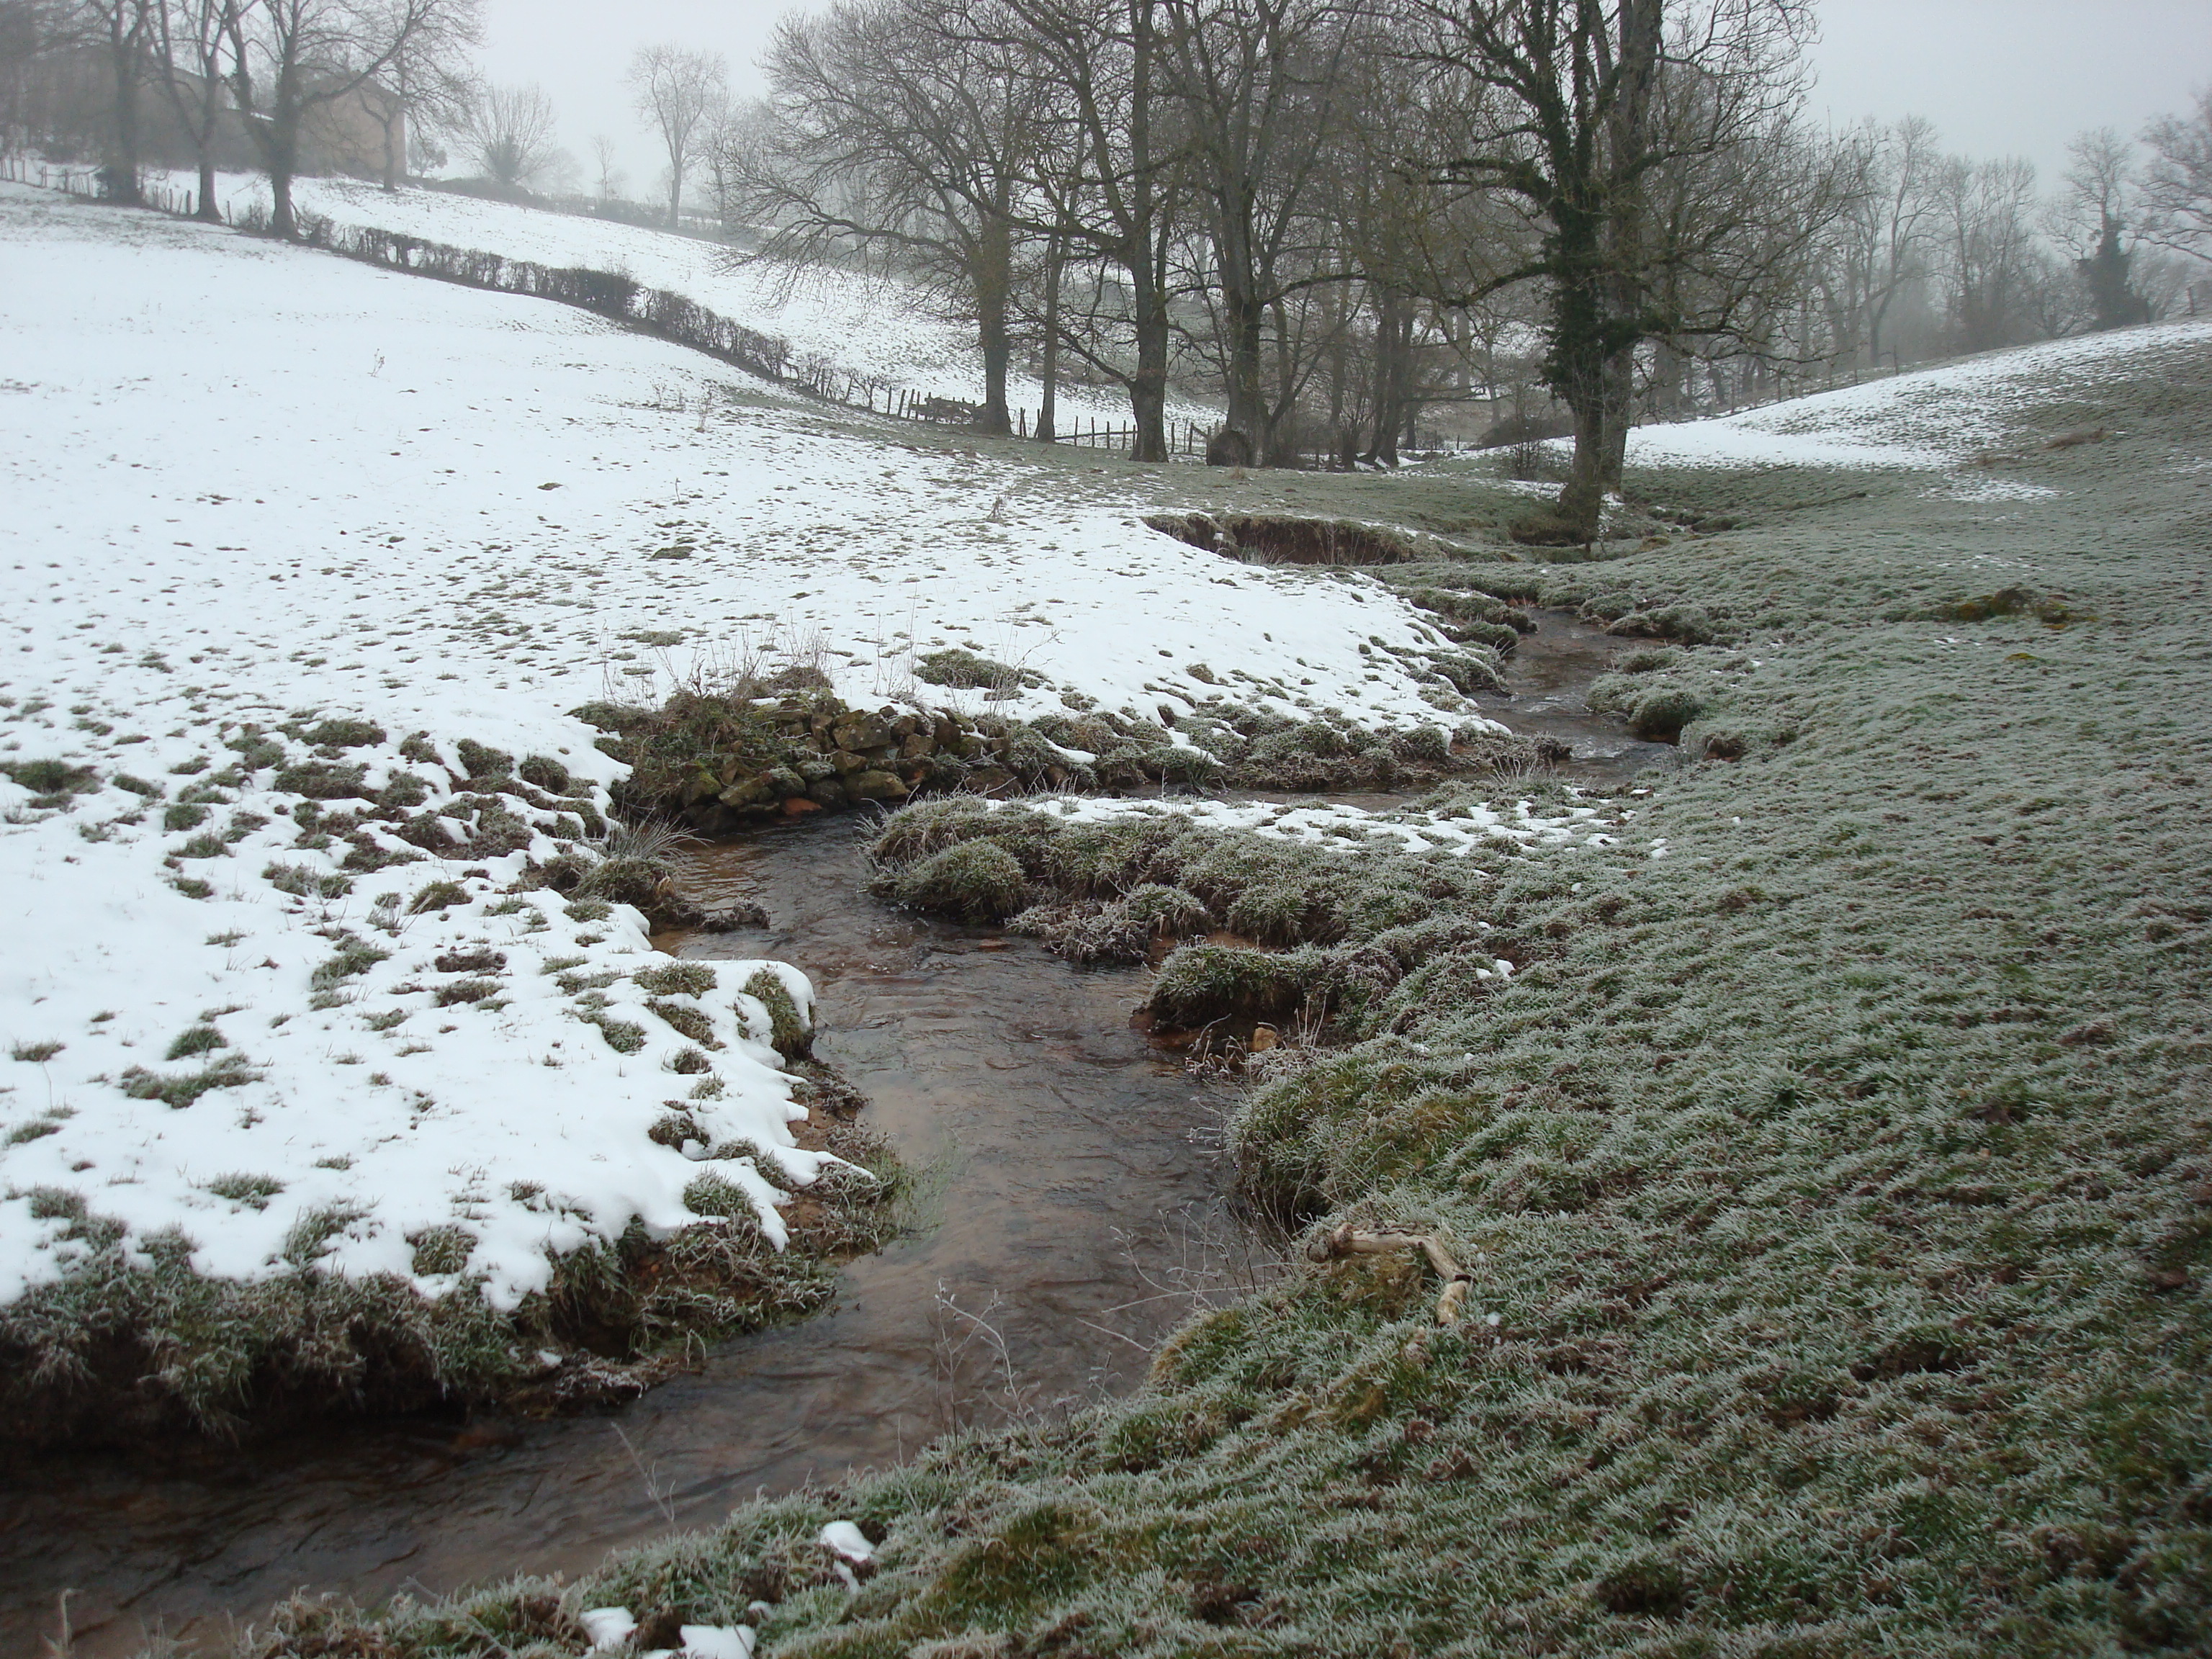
(1188, 439)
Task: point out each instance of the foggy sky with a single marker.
(1998, 77)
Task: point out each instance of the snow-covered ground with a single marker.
(1339, 825)
(1930, 420)
(876, 330)
(255, 486)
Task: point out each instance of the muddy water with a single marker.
(1077, 1204)
(1547, 678)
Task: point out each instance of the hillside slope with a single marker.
(880, 331)
(1832, 1169)
(305, 565)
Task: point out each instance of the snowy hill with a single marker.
(876, 330)
(282, 525)
(1938, 419)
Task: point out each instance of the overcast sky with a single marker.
(1998, 77)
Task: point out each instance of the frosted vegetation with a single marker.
(1823, 1130)
(1830, 1164)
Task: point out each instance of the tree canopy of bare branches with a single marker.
(677, 92)
(2177, 186)
(508, 134)
(291, 58)
(889, 139)
(1612, 127)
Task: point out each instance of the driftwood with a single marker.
(1348, 1240)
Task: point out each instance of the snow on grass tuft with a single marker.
(1337, 826)
(311, 1038)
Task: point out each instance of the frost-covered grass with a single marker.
(1835, 1187)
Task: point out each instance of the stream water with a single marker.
(1077, 1213)
(1074, 1206)
(1547, 678)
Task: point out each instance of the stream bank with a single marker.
(1076, 1210)
(1077, 1177)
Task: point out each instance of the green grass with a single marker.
(1838, 1181)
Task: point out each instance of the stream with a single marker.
(1546, 676)
(1075, 1211)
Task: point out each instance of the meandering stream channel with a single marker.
(1076, 1206)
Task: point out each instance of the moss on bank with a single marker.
(724, 761)
(1836, 1178)
(134, 1344)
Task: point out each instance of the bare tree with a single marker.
(1888, 214)
(507, 133)
(2097, 213)
(892, 140)
(1581, 104)
(1102, 63)
(1994, 268)
(1425, 258)
(608, 175)
(190, 68)
(2177, 185)
(426, 86)
(678, 91)
(125, 32)
(28, 28)
(292, 59)
(1256, 84)
(30, 32)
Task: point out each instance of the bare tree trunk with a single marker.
(993, 258)
(282, 220)
(1054, 256)
(1620, 415)
(1148, 387)
(1581, 501)
(126, 51)
(1282, 434)
(206, 207)
(1388, 373)
(993, 417)
(278, 140)
(1245, 426)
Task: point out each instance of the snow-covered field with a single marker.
(876, 330)
(1930, 420)
(253, 488)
